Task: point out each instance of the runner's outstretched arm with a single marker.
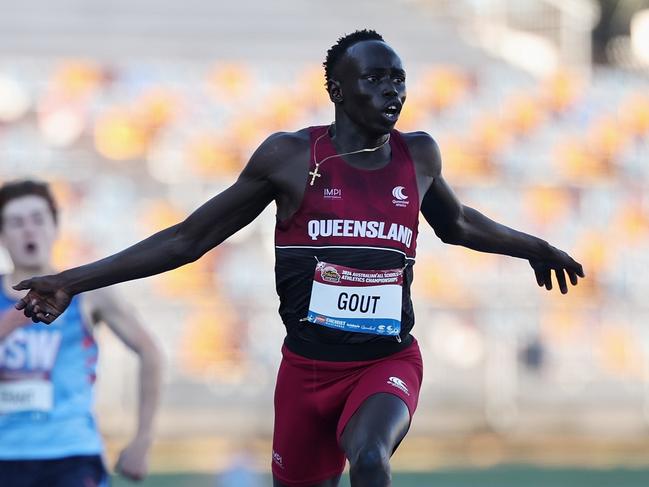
(457, 224)
(180, 244)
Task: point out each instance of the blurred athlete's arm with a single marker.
(168, 249)
(457, 224)
(102, 306)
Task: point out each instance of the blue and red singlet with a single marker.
(47, 375)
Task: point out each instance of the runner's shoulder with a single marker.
(281, 149)
(419, 140)
(424, 151)
(283, 145)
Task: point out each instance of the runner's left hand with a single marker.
(562, 264)
(133, 462)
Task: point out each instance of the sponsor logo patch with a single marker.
(333, 194)
(330, 274)
(277, 459)
(399, 384)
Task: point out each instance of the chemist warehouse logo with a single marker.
(400, 198)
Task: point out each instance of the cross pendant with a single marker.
(314, 174)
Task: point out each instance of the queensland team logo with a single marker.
(400, 198)
(330, 274)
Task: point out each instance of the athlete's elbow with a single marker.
(182, 250)
(151, 355)
(452, 238)
(453, 234)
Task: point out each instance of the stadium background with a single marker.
(137, 112)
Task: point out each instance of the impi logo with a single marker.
(333, 193)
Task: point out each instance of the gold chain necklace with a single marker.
(314, 174)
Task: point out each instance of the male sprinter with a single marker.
(48, 436)
(348, 197)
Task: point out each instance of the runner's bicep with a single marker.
(224, 214)
(442, 209)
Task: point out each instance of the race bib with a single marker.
(362, 301)
(26, 395)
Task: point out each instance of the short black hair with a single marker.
(17, 189)
(338, 50)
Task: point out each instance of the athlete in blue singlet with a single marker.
(48, 435)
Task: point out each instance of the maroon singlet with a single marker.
(365, 219)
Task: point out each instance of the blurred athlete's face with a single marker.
(28, 232)
(372, 85)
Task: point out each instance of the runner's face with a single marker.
(28, 231)
(373, 85)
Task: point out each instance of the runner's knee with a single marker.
(371, 459)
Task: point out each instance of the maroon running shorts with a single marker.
(315, 399)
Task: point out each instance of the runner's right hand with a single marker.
(46, 298)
